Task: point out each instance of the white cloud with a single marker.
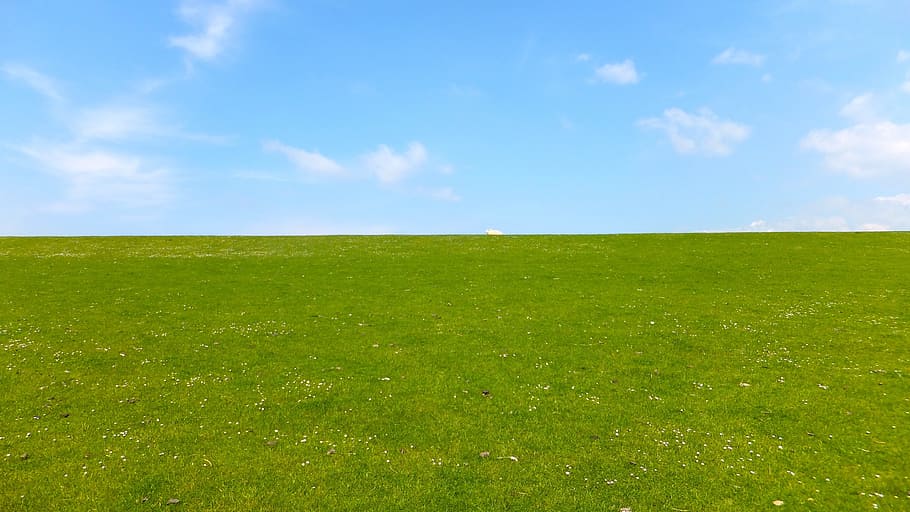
(37, 81)
(92, 166)
(899, 199)
(384, 164)
(464, 91)
(95, 175)
(861, 108)
(391, 167)
(125, 122)
(115, 123)
(864, 150)
(111, 122)
(903, 56)
(734, 56)
(215, 23)
(622, 73)
(844, 214)
(701, 133)
(810, 223)
(310, 162)
(583, 57)
(444, 194)
(81, 163)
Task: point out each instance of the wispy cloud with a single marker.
(701, 133)
(311, 163)
(621, 73)
(903, 56)
(446, 194)
(898, 199)
(214, 22)
(119, 122)
(741, 57)
(384, 164)
(391, 167)
(906, 85)
(860, 108)
(806, 223)
(583, 57)
(843, 214)
(39, 82)
(116, 123)
(97, 163)
(833, 223)
(98, 175)
(863, 150)
(463, 91)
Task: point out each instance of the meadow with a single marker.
(644, 372)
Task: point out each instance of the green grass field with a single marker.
(655, 372)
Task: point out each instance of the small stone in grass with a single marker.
(484, 454)
(173, 501)
(24, 456)
(272, 442)
(330, 452)
(777, 503)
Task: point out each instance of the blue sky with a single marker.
(296, 117)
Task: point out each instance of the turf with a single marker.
(654, 372)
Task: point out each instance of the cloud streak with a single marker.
(214, 23)
(701, 133)
(844, 214)
(391, 167)
(446, 194)
(38, 82)
(899, 199)
(736, 56)
(620, 73)
(864, 150)
(97, 175)
(860, 108)
(92, 163)
(116, 123)
(311, 163)
(384, 165)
